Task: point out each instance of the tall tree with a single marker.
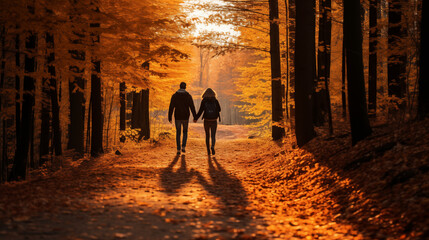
(96, 98)
(24, 153)
(343, 81)
(45, 111)
(145, 123)
(397, 56)
(321, 98)
(77, 83)
(423, 99)
(3, 147)
(359, 122)
(122, 110)
(304, 70)
(53, 93)
(291, 29)
(373, 42)
(278, 130)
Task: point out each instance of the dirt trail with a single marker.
(149, 192)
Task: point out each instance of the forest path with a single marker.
(149, 192)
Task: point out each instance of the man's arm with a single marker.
(192, 106)
(170, 109)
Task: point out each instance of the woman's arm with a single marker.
(200, 111)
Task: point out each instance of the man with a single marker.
(181, 102)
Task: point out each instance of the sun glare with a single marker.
(200, 18)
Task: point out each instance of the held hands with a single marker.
(195, 120)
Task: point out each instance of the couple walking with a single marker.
(181, 102)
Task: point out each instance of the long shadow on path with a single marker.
(172, 181)
(227, 188)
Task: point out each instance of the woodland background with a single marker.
(81, 76)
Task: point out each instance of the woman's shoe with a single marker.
(208, 151)
(213, 151)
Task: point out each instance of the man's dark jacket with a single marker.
(180, 103)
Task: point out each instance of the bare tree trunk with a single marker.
(305, 66)
(77, 87)
(145, 127)
(97, 116)
(373, 41)
(56, 129)
(45, 113)
(355, 78)
(287, 59)
(3, 155)
(397, 59)
(23, 156)
(423, 98)
(96, 96)
(278, 130)
(122, 112)
(291, 59)
(343, 81)
(109, 119)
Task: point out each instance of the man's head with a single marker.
(182, 85)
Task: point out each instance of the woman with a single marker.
(211, 108)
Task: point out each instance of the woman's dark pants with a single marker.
(210, 129)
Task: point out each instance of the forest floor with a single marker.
(251, 189)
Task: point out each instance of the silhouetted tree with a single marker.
(122, 110)
(373, 41)
(3, 147)
(304, 70)
(278, 130)
(397, 56)
(96, 98)
(359, 122)
(423, 99)
(321, 96)
(24, 151)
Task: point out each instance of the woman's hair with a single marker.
(208, 93)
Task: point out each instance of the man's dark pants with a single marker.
(179, 124)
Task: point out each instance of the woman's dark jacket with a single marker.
(203, 108)
(180, 103)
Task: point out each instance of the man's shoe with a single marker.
(208, 151)
(213, 151)
(178, 152)
(183, 150)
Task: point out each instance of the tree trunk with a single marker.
(23, 155)
(46, 92)
(53, 93)
(145, 126)
(322, 100)
(135, 112)
(291, 59)
(304, 70)
(373, 41)
(423, 99)
(397, 58)
(122, 120)
(3, 147)
(97, 116)
(97, 113)
(355, 78)
(18, 97)
(343, 81)
(278, 130)
(287, 7)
